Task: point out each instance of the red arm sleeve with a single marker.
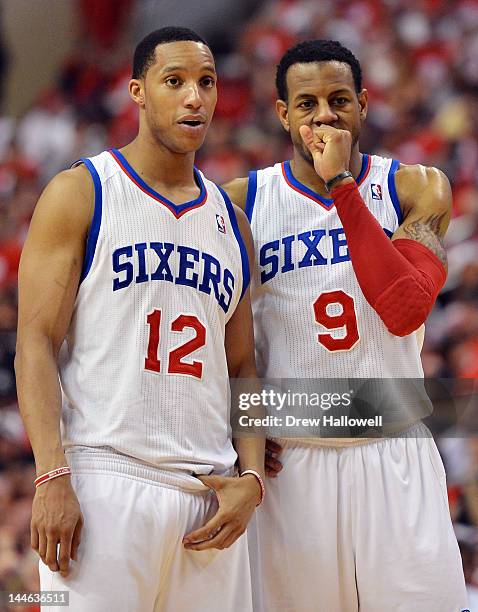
(400, 279)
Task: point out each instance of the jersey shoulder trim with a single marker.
(296, 185)
(96, 221)
(326, 203)
(392, 190)
(365, 168)
(251, 194)
(246, 275)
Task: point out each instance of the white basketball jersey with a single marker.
(143, 369)
(311, 319)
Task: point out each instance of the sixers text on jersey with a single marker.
(185, 269)
(291, 253)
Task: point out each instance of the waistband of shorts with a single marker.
(416, 430)
(94, 460)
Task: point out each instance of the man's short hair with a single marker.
(316, 51)
(144, 54)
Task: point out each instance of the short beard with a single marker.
(306, 154)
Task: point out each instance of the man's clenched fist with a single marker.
(330, 149)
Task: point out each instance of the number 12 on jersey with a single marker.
(176, 363)
(347, 320)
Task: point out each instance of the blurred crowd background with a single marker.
(420, 64)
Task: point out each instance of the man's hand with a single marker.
(330, 149)
(237, 498)
(272, 465)
(56, 519)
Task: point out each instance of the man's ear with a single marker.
(136, 91)
(283, 114)
(363, 103)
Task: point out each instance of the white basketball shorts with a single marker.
(358, 528)
(131, 558)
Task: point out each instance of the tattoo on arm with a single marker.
(426, 231)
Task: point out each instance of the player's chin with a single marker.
(185, 146)
(189, 141)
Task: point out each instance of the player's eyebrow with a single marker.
(340, 91)
(334, 92)
(177, 68)
(304, 95)
(210, 67)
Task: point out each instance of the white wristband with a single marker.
(260, 481)
(62, 471)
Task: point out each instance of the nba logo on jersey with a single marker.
(376, 191)
(221, 226)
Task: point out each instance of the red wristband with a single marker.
(62, 471)
(260, 481)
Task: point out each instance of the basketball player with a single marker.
(349, 524)
(133, 292)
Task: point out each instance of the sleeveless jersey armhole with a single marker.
(393, 191)
(235, 227)
(96, 221)
(251, 194)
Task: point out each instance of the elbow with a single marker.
(31, 348)
(19, 357)
(19, 363)
(22, 352)
(247, 370)
(404, 307)
(402, 331)
(403, 323)
(244, 369)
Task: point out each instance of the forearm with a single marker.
(39, 398)
(249, 444)
(250, 450)
(400, 279)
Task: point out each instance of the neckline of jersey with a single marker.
(178, 210)
(326, 203)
